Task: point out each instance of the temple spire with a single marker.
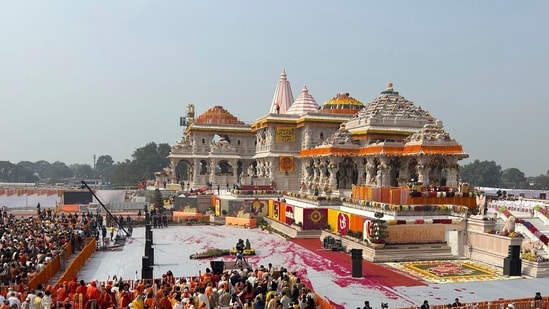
(305, 103)
(283, 97)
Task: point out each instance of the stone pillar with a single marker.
(194, 171)
(370, 172)
(234, 165)
(332, 180)
(307, 138)
(452, 175)
(423, 173)
(211, 172)
(360, 170)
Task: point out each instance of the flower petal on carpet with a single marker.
(451, 271)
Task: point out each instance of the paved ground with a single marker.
(331, 277)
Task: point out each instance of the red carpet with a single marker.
(378, 274)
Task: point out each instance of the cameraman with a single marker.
(240, 246)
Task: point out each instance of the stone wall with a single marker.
(416, 233)
(490, 248)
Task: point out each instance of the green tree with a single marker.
(104, 166)
(513, 178)
(6, 171)
(481, 174)
(10, 172)
(151, 158)
(540, 182)
(82, 171)
(158, 200)
(23, 174)
(123, 174)
(26, 164)
(145, 162)
(40, 166)
(57, 171)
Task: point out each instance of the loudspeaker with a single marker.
(150, 254)
(512, 267)
(217, 267)
(357, 268)
(146, 269)
(356, 254)
(514, 252)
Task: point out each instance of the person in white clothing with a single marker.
(13, 300)
(203, 298)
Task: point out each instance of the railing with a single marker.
(72, 270)
(47, 273)
(518, 303)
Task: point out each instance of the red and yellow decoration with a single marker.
(286, 164)
(450, 271)
(285, 135)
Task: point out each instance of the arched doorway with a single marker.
(224, 168)
(183, 171)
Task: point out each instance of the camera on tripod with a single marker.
(384, 305)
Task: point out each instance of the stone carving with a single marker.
(509, 226)
(528, 246)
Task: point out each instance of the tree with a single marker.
(104, 166)
(481, 174)
(82, 171)
(150, 159)
(26, 164)
(513, 178)
(22, 174)
(146, 161)
(6, 170)
(40, 166)
(123, 174)
(158, 200)
(10, 172)
(57, 171)
(540, 182)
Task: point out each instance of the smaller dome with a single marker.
(341, 137)
(433, 132)
(217, 115)
(305, 103)
(342, 103)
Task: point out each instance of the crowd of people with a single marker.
(244, 288)
(28, 243)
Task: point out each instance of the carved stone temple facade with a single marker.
(300, 145)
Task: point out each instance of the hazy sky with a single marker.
(79, 78)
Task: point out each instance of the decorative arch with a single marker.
(438, 168)
(183, 170)
(412, 170)
(224, 168)
(347, 174)
(394, 171)
(203, 169)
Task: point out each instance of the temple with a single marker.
(300, 145)
(381, 178)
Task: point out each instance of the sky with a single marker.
(85, 78)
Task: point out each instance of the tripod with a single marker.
(240, 260)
